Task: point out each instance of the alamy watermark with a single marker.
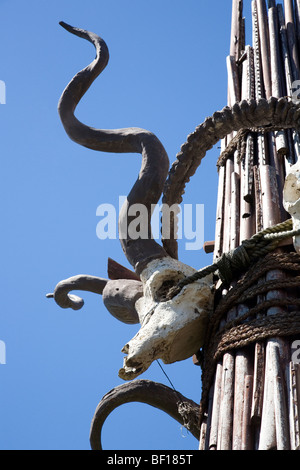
(189, 222)
(2, 92)
(295, 349)
(2, 352)
(296, 92)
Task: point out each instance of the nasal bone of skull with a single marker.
(291, 199)
(175, 329)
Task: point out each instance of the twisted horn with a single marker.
(119, 296)
(155, 163)
(251, 115)
(81, 282)
(180, 408)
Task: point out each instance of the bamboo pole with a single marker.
(276, 80)
(297, 21)
(226, 404)
(235, 210)
(294, 404)
(264, 47)
(247, 435)
(242, 370)
(227, 206)
(270, 197)
(215, 413)
(236, 40)
(234, 87)
(247, 208)
(291, 36)
(219, 218)
(259, 373)
(281, 412)
(290, 71)
(250, 406)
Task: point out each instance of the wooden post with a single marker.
(254, 400)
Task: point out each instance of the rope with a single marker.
(241, 257)
(253, 325)
(238, 142)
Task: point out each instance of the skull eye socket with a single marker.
(162, 292)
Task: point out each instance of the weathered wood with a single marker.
(235, 210)
(202, 435)
(242, 370)
(117, 271)
(281, 416)
(290, 71)
(297, 20)
(236, 40)
(226, 404)
(233, 80)
(209, 247)
(294, 404)
(219, 218)
(270, 196)
(258, 388)
(215, 413)
(276, 74)
(258, 200)
(267, 436)
(247, 434)
(227, 205)
(251, 408)
(264, 47)
(291, 36)
(257, 52)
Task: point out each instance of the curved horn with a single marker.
(155, 163)
(119, 296)
(247, 115)
(183, 410)
(81, 282)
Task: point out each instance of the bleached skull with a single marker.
(174, 329)
(291, 199)
(171, 330)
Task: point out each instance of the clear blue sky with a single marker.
(167, 72)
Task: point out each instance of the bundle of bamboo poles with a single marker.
(255, 396)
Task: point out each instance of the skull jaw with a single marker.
(291, 200)
(169, 350)
(174, 332)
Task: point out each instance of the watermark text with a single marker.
(186, 222)
(2, 352)
(2, 92)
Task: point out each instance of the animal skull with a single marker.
(291, 199)
(174, 329)
(171, 330)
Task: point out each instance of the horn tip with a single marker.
(66, 26)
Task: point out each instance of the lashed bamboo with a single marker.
(243, 369)
(215, 412)
(290, 73)
(226, 404)
(259, 373)
(219, 217)
(255, 398)
(294, 405)
(297, 20)
(277, 86)
(247, 179)
(264, 47)
(291, 35)
(247, 435)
